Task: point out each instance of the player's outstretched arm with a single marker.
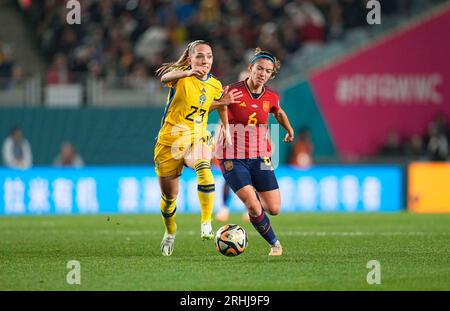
(283, 120)
(229, 97)
(223, 114)
(175, 75)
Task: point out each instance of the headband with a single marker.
(263, 55)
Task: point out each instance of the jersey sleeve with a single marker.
(173, 84)
(219, 92)
(275, 104)
(180, 68)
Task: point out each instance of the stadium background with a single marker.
(373, 98)
(93, 85)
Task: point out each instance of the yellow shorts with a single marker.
(169, 161)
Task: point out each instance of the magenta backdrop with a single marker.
(399, 82)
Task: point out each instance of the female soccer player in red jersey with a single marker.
(246, 165)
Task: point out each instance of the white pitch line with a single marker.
(251, 233)
(294, 233)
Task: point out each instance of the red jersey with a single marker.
(249, 124)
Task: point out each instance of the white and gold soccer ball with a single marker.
(231, 240)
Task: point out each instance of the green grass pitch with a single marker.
(321, 252)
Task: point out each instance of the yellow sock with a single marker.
(205, 188)
(168, 208)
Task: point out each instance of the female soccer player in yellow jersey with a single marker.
(183, 138)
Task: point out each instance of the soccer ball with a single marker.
(231, 240)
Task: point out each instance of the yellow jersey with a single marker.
(186, 113)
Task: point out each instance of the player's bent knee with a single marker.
(274, 209)
(253, 206)
(170, 196)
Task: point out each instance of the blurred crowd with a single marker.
(302, 149)
(11, 73)
(433, 145)
(124, 41)
(17, 152)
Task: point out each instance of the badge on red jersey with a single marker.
(266, 105)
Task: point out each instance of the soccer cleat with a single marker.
(223, 214)
(276, 249)
(167, 244)
(207, 232)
